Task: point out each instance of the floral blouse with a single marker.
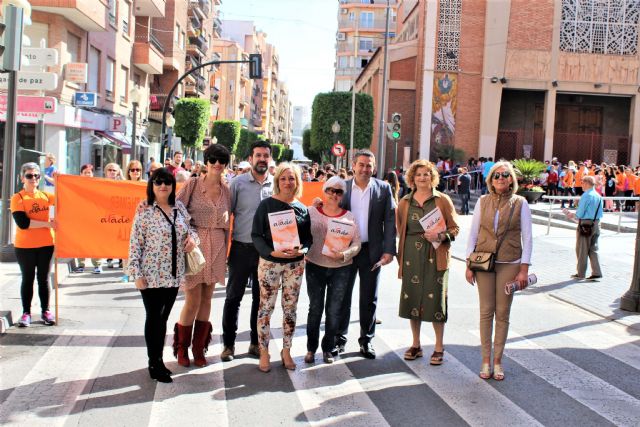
(150, 251)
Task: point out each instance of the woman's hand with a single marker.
(189, 244)
(317, 202)
(431, 235)
(470, 276)
(337, 255)
(287, 253)
(141, 283)
(523, 275)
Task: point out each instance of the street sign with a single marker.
(85, 99)
(32, 104)
(39, 56)
(32, 81)
(338, 149)
(76, 72)
(117, 124)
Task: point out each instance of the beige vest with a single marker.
(511, 248)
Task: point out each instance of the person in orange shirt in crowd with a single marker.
(568, 183)
(636, 186)
(580, 172)
(622, 184)
(33, 242)
(628, 189)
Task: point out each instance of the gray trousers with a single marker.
(587, 249)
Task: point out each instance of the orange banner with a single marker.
(94, 215)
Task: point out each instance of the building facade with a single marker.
(512, 79)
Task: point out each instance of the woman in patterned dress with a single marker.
(207, 199)
(160, 237)
(423, 268)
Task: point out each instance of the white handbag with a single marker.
(194, 262)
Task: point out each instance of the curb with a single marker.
(612, 318)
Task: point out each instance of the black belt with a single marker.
(244, 245)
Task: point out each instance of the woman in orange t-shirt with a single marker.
(33, 242)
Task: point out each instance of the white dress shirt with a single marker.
(525, 229)
(360, 208)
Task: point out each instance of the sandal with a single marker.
(485, 371)
(498, 372)
(437, 357)
(413, 353)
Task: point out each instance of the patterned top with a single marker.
(211, 221)
(319, 225)
(150, 245)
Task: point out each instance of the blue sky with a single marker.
(304, 33)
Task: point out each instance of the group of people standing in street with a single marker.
(169, 224)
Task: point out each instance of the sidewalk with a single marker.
(554, 262)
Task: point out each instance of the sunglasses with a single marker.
(159, 182)
(135, 170)
(336, 191)
(221, 160)
(112, 170)
(504, 175)
(32, 175)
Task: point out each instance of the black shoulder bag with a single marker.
(585, 227)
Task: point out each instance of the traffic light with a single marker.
(255, 66)
(11, 33)
(394, 128)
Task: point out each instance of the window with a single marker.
(137, 80)
(366, 19)
(73, 137)
(352, 16)
(94, 70)
(112, 12)
(123, 83)
(126, 11)
(343, 61)
(176, 34)
(183, 41)
(365, 43)
(73, 47)
(111, 69)
(600, 26)
(448, 34)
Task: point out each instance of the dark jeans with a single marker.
(368, 298)
(335, 282)
(243, 265)
(568, 192)
(464, 199)
(31, 260)
(158, 303)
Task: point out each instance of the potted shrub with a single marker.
(528, 171)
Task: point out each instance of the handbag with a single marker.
(586, 228)
(194, 262)
(486, 261)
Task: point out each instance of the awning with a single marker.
(123, 141)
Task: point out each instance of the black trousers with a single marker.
(34, 262)
(361, 268)
(243, 265)
(158, 303)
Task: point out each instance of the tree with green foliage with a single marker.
(287, 155)
(192, 119)
(243, 149)
(227, 132)
(276, 152)
(336, 106)
(306, 147)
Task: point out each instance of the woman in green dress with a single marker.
(423, 268)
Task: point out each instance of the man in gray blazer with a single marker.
(371, 202)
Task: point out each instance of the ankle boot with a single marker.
(158, 372)
(181, 342)
(201, 340)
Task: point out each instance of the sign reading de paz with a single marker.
(32, 81)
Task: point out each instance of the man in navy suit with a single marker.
(371, 202)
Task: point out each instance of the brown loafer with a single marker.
(413, 353)
(310, 357)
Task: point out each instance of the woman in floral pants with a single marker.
(282, 267)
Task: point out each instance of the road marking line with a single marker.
(51, 389)
(183, 401)
(458, 386)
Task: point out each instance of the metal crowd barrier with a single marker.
(553, 198)
(451, 181)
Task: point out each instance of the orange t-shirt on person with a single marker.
(567, 181)
(636, 186)
(579, 175)
(36, 206)
(632, 182)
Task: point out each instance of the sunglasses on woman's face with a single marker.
(499, 175)
(336, 191)
(221, 160)
(159, 182)
(135, 170)
(32, 176)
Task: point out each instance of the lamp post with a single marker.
(383, 110)
(134, 95)
(630, 301)
(170, 121)
(335, 128)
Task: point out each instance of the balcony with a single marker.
(150, 8)
(194, 26)
(156, 101)
(146, 55)
(197, 88)
(378, 25)
(200, 7)
(88, 15)
(217, 26)
(198, 44)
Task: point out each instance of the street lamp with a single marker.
(170, 121)
(335, 128)
(134, 95)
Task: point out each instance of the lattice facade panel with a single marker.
(449, 12)
(600, 26)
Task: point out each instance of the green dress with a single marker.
(424, 290)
